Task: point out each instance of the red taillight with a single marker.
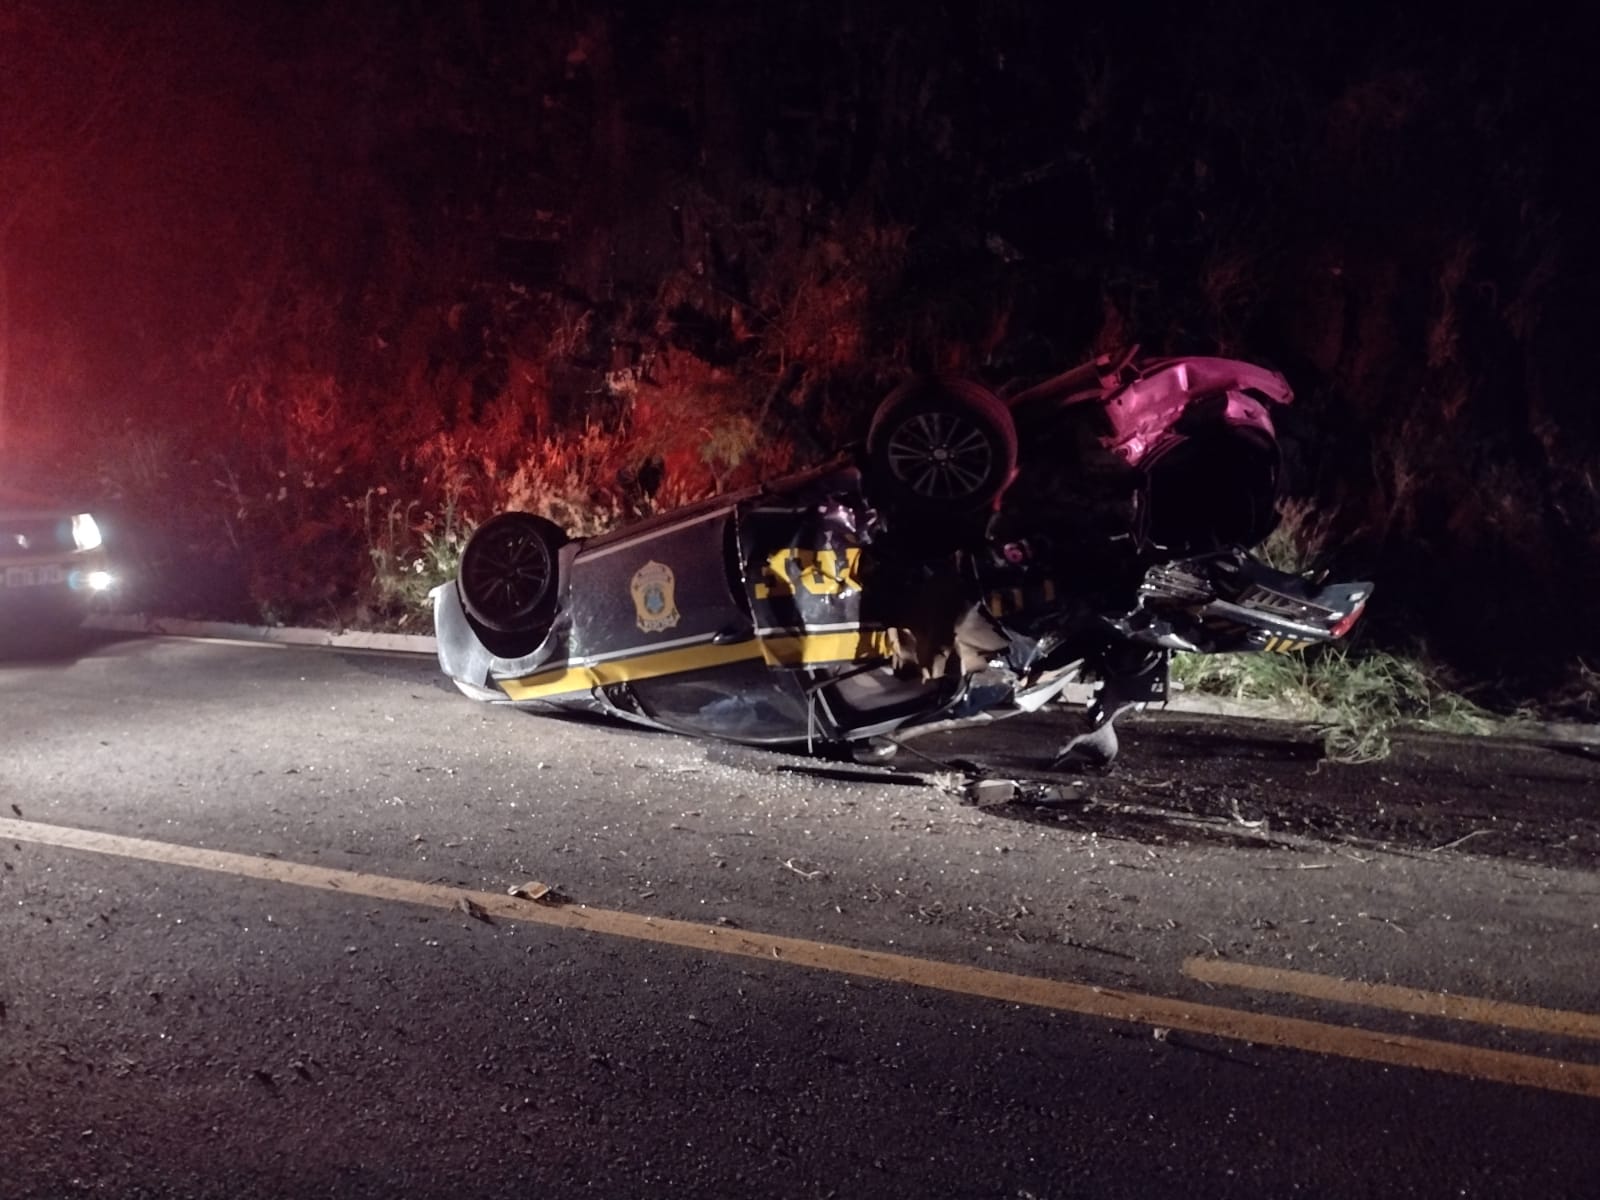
(1346, 621)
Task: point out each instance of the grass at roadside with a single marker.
(411, 552)
(1358, 699)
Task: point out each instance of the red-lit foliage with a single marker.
(599, 263)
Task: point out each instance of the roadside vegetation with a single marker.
(1358, 694)
(1359, 699)
(598, 264)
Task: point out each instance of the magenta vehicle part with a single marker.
(1144, 403)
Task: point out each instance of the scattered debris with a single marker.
(988, 793)
(801, 871)
(1459, 840)
(953, 783)
(1233, 807)
(473, 909)
(992, 792)
(1077, 945)
(1384, 920)
(539, 893)
(1298, 867)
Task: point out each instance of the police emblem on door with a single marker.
(652, 597)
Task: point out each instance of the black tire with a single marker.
(940, 448)
(508, 572)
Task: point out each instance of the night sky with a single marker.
(259, 261)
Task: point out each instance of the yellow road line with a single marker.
(1397, 999)
(1162, 1012)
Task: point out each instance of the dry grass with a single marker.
(1358, 699)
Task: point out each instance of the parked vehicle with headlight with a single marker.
(53, 566)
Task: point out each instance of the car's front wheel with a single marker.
(508, 572)
(940, 448)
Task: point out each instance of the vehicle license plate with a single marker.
(36, 576)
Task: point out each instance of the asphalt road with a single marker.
(257, 938)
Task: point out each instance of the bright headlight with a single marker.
(85, 532)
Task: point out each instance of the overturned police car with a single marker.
(977, 554)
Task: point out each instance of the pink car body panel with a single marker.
(1144, 403)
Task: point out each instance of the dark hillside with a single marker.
(318, 280)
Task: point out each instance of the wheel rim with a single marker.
(940, 456)
(507, 575)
